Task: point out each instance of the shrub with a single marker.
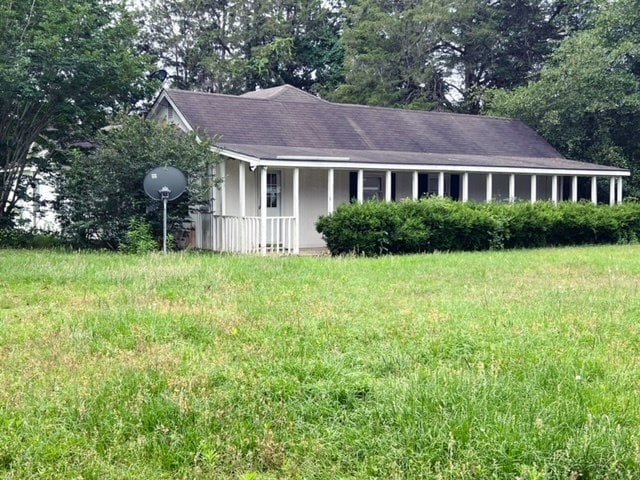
(139, 238)
(436, 224)
(29, 239)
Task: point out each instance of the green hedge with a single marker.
(435, 224)
(16, 238)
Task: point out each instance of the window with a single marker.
(273, 189)
(373, 187)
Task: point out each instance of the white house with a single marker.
(289, 157)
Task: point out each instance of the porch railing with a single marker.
(242, 234)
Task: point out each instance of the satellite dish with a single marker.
(165, 183)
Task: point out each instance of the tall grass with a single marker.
(487, 365)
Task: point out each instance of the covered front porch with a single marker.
(272, 207)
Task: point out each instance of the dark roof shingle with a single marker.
(286, 119)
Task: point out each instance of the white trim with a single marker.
(534, 189)
(222, 166)
(312, 157)
(296, 210)
(242, 188)
(512, 188)
(465, 187)
(619, 193)
(330, 189)
(439, 168)
(252, 161)
(387, 186)
(255, 161)
(165, 96)
(263, 210)
(612, 191)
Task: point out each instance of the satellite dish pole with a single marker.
(164, 194)
(166, 184)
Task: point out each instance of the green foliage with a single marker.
(16, 238)
(234, 47)
(65, 66)
(587, 100)
(446, 54)
(101, 191)
(139, 238)
(430, 225)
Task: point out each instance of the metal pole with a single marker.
(164, 226)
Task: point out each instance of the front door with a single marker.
(274, 193)
(274, 207)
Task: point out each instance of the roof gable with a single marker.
(283, 93)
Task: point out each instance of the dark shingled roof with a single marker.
(285, 121)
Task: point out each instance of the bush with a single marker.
(436, 224)
(29, 239)
(139, 238)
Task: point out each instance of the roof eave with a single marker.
(344, 163)
(164, 95)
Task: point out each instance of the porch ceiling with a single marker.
(385, 158)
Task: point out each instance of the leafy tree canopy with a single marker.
(232, 47)
(587, 100)
(102, 192)
(64, 65)
(446, 53)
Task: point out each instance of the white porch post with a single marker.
(465, 187)
(619, 193)
(554, 189)
(441, 184)
(574, 188)
(296, 210)
(612, 190)
(534, 188)
(360, 193)
(387, 186)
(489, 188)
(330, 189)
(512, 188)
(263, 210)
(414, 185)
(242, 188)
(222, 207)
(594, 190)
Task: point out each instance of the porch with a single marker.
(294, 196)
(247, 235)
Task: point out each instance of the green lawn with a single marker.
(521, 364)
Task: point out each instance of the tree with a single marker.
(587, 100)
(101, 192)
(65, 65)
(389, 56)
(224, 46)
(446, 54)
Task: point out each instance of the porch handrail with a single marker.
(227, 233)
